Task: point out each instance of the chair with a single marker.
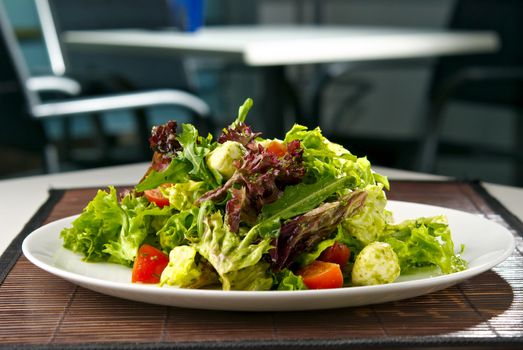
(25, 112)
(109, 72)
(494, 79)
(115, 69)
(326, 75)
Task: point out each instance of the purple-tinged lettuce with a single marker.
(304, 232)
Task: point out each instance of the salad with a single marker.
(247, 213)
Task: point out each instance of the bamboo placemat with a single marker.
(39, 310)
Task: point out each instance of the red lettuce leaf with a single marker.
(240, 132)
(238, 209)
(163, 139)
(304, 232)
(263, 176)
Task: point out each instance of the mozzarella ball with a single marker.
(377, 263)
(222, 158)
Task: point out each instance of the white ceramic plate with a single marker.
(486, 245)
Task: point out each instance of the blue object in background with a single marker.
(187, 14)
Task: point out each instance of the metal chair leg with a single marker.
(143, 131)
(50, 159)
(429, 142)
(320, 80)
(65, 145)
(101, 138)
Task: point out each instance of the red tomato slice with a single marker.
(156, 196)
(322, 275)
(277, 148)
(338, 253)
(149, 264)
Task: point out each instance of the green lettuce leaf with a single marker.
(138, 223)
(177, 171)
(111, 231)
(368, 223)
(322, 158)
(100, 222)
(188, 164)
(255, 277)
(225, 250)
(302, 198)
(424, 242)
(185, 271)
(286, 280)
(180, 228)
(295, 200)
(183, 195)
(195, 148)
(242, 112)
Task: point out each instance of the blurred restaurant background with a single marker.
(381, 109)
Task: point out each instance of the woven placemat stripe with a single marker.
(13, 251)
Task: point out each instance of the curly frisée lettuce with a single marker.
(287, 280)
(245, 213)
(424, 242)
(323, 157)
(109, 230)
(182, 195)
(180, 228)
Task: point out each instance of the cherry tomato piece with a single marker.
(338, 253)
(277, 148)
(322, 275)
(149, 264)
(156, 196)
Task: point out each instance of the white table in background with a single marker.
(289, 45)
(272, 48)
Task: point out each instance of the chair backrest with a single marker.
(137, 71)
(506, 18)
(18, 128)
